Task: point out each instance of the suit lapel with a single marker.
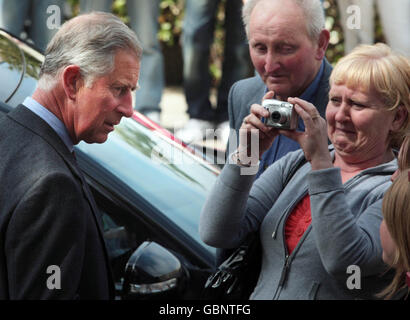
(98, 221)
(256, 94)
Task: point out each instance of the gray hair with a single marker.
(312, 9)
(89, 41)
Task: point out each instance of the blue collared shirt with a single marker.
(51, 119)
(283, 145)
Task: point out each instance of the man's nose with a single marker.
(272, 63)
(125, 107)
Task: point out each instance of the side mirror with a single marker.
(153, 272)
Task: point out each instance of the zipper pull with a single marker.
(284, 271)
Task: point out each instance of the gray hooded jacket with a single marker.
(339, 255)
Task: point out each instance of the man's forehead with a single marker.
(284, 31)
(277, 19)
(270, 8)
(281, 33)
(126, 67)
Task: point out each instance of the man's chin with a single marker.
(281, 90)
(101, 138)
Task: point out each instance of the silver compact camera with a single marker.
(282, 115)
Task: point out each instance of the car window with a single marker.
(122, 236)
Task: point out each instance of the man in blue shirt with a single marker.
(287, 44)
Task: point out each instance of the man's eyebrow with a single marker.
(124, 84)
(287, 42)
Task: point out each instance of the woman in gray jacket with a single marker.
(320, 230)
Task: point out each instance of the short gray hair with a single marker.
(89, 41)
(312, 9)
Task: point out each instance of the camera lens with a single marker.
(275, 116)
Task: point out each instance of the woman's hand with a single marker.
(313, 140)
(253, 131)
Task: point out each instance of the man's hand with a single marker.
(253, 130)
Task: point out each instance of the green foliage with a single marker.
(119, 8)
(170, 21)
(336, 47)
(74, 5)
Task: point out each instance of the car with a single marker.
(149, 187)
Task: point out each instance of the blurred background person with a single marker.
(395, 227)
(395, 236)
(143, 16)
(13, 15)
(198, 36)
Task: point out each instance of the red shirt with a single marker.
(297, 223)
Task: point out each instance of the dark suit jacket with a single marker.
(47, 217)
(246, 92)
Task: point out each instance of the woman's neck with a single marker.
(350, 168)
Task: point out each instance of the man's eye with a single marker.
(335, 101)
(282, 48)
(119, 91)
(260, 48)
(287, 49)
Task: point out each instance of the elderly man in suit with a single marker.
(48, 217)
(287, 43)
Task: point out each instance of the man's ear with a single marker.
(72, 81)
(322, 43)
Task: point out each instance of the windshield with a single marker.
(170, 178)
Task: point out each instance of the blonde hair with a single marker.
(397, 218)
(377, 67)
(404, 154)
